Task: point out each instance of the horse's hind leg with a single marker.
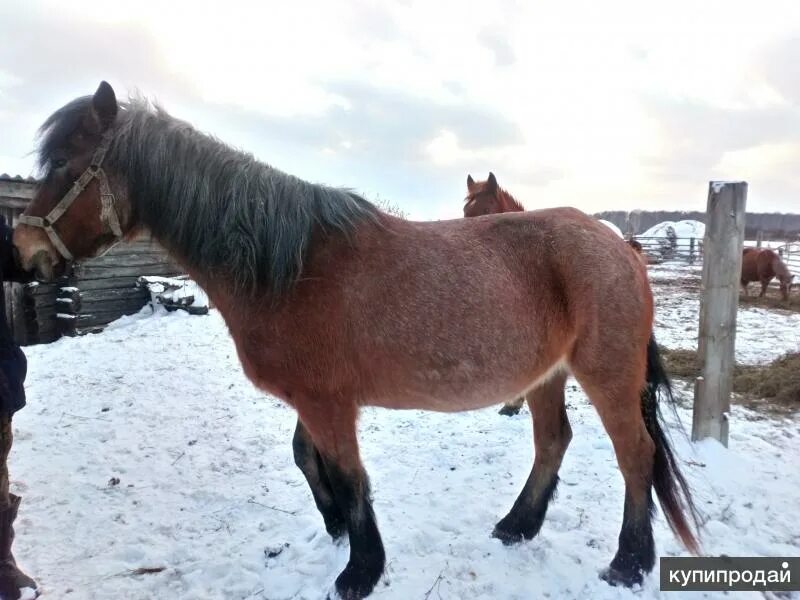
(617, 397)
(332, 427)
(308, 459)
(551, 436)
(513, 407)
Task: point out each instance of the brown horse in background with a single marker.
(488, 198)
(334, 305)
(763, 265)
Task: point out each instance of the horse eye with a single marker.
(59, 162)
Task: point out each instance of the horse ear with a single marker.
(470, 182)
(491, 183)
(104, 104)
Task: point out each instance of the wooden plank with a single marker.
(85, 272)
(112, 294)
(43, 289)
(128, 259)
(107, 283)
(121, 306)
(99, 318)
(722, 265)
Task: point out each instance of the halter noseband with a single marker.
(108, 212)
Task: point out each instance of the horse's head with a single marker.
(482, 197)
(81, 206)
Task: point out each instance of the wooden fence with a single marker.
(663, 249)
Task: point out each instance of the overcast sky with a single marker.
(599, 105)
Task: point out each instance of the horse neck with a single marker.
(508, 202)
(222, 213)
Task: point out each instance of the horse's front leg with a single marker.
(309, 461)
(764, 286)
(331, 425)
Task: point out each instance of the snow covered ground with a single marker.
(145, 447)
(761, 335)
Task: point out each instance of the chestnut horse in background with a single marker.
(334, 305)
(763, 265)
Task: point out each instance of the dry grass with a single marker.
(773, 298)
(776, 385)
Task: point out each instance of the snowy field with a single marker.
(762, 335)
(145, 447)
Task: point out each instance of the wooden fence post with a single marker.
(691, 251)
(759, 238)
(722, 265)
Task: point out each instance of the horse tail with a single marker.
(670, 485)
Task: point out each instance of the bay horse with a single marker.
(763, 265)
(334, 305)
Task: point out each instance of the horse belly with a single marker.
(468, 389)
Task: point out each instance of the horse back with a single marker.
(768, 260)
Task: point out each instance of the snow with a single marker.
(612, 227)
(208, 488)
(761, 335)
(681, 229)
(173, 289)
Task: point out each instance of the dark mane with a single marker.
(219, 209)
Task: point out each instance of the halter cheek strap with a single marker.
(108, 212)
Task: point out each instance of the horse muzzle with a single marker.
(34, 254)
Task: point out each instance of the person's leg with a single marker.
(12, 580)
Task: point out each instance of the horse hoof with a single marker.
(356, 583)
(619, 578)
(337, 530)
(509, 538)
(509, 411)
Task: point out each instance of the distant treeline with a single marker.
(774, 226)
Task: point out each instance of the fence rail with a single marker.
(690, 250)
(663, 249)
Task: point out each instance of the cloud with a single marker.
(696, 136)
(778, 65)
(496, 42)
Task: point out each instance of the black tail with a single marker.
(670, 485)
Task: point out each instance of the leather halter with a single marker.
(108, 212)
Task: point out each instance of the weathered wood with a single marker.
(121, 304)
(722, 264)
(113, 261)
(107, 283)
(759, 238)
(113, 294)
(86, 271)
(42, 289)
(97, 318)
